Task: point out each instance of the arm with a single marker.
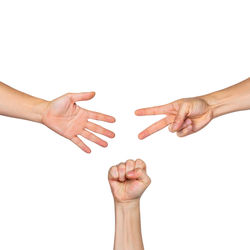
(189, 115)
(231, 99)
(17, 104)
(61, 115)
(128, 226)
(128, 181)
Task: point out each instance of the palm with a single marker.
(129, 190)
(69, 120)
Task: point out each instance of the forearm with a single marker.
(17, 104)
(128, 226)
(234, 98)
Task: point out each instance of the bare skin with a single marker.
(128, 181)
(61, 115)
(189, 115)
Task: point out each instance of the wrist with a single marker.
(218, 102)
(127, 204)
(39, 109)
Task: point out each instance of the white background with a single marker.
(133, 54)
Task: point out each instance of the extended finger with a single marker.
(99, 129)
(81, 144)
(156, 127)
(83, 96)
(157, 110)
(88, 135)
(186, 131)
(100, 117)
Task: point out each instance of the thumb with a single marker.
(83, 96)
(139, 174)
(180, 117)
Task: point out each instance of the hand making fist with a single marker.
(128, 180)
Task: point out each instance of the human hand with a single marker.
(184, 116)
(66, 118)
(128, 180)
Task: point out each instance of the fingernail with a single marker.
(112, 135)
(174, 126)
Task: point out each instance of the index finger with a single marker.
(156, 127)
(157, 110)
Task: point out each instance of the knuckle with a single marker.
(68, 94)
(180, 134)
(121, 165)
(118, 165)
(182, 100)
(129, 161)
(113, 170)
(170, 128)
(138, 171)
(165, 122)
(140, 164)
(139, 161)
(149, 181)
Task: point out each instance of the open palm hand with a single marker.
(66, 118)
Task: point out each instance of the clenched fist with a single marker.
(128, 180)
